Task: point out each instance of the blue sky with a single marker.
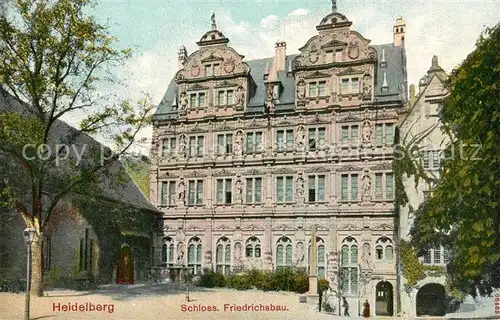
(156, 29)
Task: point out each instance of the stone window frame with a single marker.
(197, 94)
(316, 187)
(382, 246)
(350, 267)
(254, 147)
(227, 145)
(382, 141)
(190, 147)
(287, 145)
(225, 92)
(197, 200)
(319, 144)
(167, 252)
(349, 78)
(168, 146)
(168, 192)
(195, 245)
(213, 67)
(444, 256)
(253, 179)
(285, 179)
(284, 245)
(224, 181)
(321, 265)
(223, 255)
(433, 159)
(253, 243)
(385, 194)
(317, 94)
(351, 139)
(350, 179)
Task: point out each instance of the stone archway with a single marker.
(431, 300)
(384, 297)
(125, 267)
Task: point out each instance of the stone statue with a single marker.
(301, 89)
(367, 185)
(300, 137)
(240, 97)
(184, 101)
(299, 255)
(367, 87)
(300, 186)
(366, 257)
(367, 131)
(239, 190)
(182, 145)
(180, 253)
(181, 189)
(270, 100)
(214, 24)
(238, 143)
(237, 252)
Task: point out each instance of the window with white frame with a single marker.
(253, 142)
(317, 89)
(384, 186)
(196, 146)
(350, 134)
(195, 192)
(252, 248)
(284, 189)
(225, 97)
(253, 190)
(349, 187)
(431, 159)
(284, 140)
(197, 100)
(167, 252)
(284, 252)
(384, 250)
(384, 133)
(195, 254)
(316, 188)
(168, 193)
(224, 191)
(349, 85)
(223, 256)
(349, 263)
(316, 138)
(321, 262)
(168, 146)
(436, 255)
(225, 144)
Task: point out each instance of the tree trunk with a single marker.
(37, 268)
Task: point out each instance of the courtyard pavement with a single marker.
(161, 301)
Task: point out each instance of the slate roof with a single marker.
(395, 73)
(126, 192)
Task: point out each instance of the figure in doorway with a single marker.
(346, 307)
(366, 309)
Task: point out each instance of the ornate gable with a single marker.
(284, 227)
(252, 227)
(223, 227)
(351, 227)
(350, 167)
(383, 227)
(318, 227)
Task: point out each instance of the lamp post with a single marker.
(29, 235)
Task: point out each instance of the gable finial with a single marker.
(334, 5)
(214, 24)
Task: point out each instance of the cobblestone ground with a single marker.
(140, 302)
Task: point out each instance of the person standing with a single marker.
(366, 309)
(346, 307)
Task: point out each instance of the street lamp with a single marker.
(29, 235)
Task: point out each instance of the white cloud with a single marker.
(299, 12)
(269, 21)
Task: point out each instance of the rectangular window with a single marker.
(379, 134)
(349, 187)
(199, 192)
(354, 133)
(322, 88)
(389, 188)
(344, 187)
(284, 140)
(338, 54)
(230, 97)
(224, 191)
(354, 85)
(220, 98)
(389, 134)
(167, 193)
(344, 89)
(312, 89)
(253, 142)
(437, 255)
(200, 146)
(436, 159)
(192, 100)
(208, 70)
(378, 186)
(350, 134)
(254, 190)
(316, 188)
(201, 100)
(192, 146)
(284, 189)
(316, 138)
(426, 159)
(354, 187)
(168, 146)
(225, 144)
(345, 134)
(349, 85)
(195, 192)
(428, 256)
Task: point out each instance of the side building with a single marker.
(250, 156)
(422, 129)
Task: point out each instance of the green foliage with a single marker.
(283, 279)
(323, 285)
(413, 269)
(138, 169)
(463, 209)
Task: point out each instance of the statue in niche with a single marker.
(367, 87)
(237, 252)
(181, 189)
(270, 100)
(366, 257)
(239, 190)
(180, 253)
(299, 255)
(238, 143)
(300, 186)
(300, 137)
(182, 145)
(367, 131)
(240, 96)
(183, 101)
(367, 185)
(301, 90)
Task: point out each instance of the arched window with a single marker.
(223, 255)
(284, 246)
(384, 250)
(194, 254)
(349, 262)
(167, 252)
(252, 248)
(321, 262)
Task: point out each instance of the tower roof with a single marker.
(400, 22)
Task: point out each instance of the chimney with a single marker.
(280, 56)
(399, 32)
(182, 55)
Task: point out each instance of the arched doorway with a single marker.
(431, 300)
(384, 299)
(125, 268)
